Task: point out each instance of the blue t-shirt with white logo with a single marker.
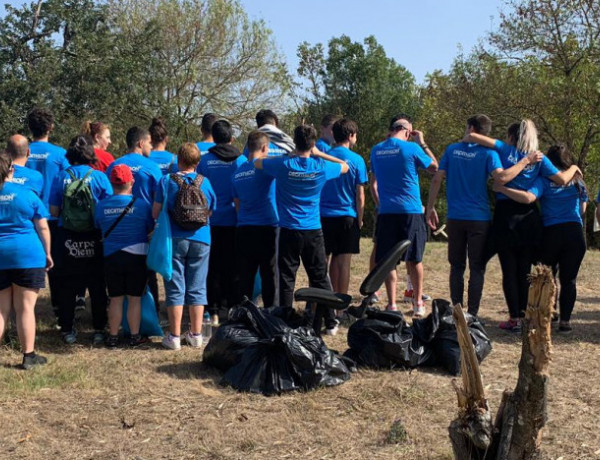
(166, 161)
(20, 244)
(204, 146)
(29, 178)
(274, 151)
(131, 230)
(220, 173)
(256, 192)
(169, 186)
(323, 145)
(468, 167)
(560, 203)
(510, 156)
(395, 164)
(299, 185)
(146, 174)
(98, 181)
(338, 197)
(48, 159)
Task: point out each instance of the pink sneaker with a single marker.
(391, 307)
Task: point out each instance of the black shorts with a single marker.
(126, 274)
(30, 278)
(393, 228)
(342, 235)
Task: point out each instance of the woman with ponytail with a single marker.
(166, 161)
(517, 227)
(563, 242)
(100, 133)
(25, 249)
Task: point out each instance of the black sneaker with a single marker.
(32, 361)
(137, 340)
(565, 328)
(112, 341)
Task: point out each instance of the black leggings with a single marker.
(563, 250)
(516, 265)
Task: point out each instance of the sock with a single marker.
(409, 286)
(31, 354)
(196, 334)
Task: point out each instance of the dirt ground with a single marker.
(152, 403)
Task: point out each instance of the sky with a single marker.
(422, 35)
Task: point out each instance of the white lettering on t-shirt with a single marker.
(387, 152)
(80, 249)
(302, 175)
(38, 156)
(465, 155)
(218, 163)
(243, 174)
(7, 198)
(19, 180)
(135, 168)
(111, 211)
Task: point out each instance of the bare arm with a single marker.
(566, 176)
(431, 214)
(519, 196)
(374, 191)
(156, 209)
(598, 213)
(236, 201)
(506, 175)
(43, 231)
(474, 138)
(258, 164)
(420, 139)
(54, 211)
(315, 152)
(360, 204)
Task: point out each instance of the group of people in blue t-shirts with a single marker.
(283, 201)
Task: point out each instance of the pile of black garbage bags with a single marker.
(383, 340)
(268, 351)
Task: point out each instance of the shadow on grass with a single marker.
(191, 370)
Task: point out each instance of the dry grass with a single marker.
(153, 403)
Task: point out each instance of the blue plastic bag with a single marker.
(150, 324)
(257, 287)
(160, 251)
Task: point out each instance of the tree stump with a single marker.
(517, 430)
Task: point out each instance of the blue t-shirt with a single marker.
(338, 197)
(256, 192)
(166, 161)
(48, 159)
(98, 181)
(203, 233)
(133, 227)
(220, 173)
(29, 178)
(299, 184)
(468, 167)
(204, 146)
(20, 245)
(510, 156)
(560, 203)
(323, 145)
(395, 164)
(274, 151)
(146, 174)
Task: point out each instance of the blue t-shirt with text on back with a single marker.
(220, 173)
(204, 146)
(146, 174)
(29, 178)
(256, 192)
(49, 160)
(338, 197)
(395, 164)
(274, 151)
(170, 187)
(166, 161)
(298, 190)
(20, 244)
(510, 156)
(560, 203)
(132, 229)
(99, 184)
(468, 167)
(323, 145)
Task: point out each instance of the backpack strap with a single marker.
(198, 180)
(119, 219)
(177, 179)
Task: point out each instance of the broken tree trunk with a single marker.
(517, 431)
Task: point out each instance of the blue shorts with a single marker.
(393, 228)
(190, 267)
(29, 278)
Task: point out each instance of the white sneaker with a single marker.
(334, 330)
(419, 310)
(172, 343)
(194, 341)
(391, 307)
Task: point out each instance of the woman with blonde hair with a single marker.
(100, 133)
(517, 227)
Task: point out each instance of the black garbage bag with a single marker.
(269, 357)
(439, 331)
(384, 340)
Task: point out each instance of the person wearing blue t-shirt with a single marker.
(191, 251)
(517, 227)
(343, 206)
(18, 149)
(219, 165)
(395, 163)
(300, 178)
(326, 141)
(25, 249)
(563, 241)
(208, 120)
(79, 253)
(125, 223)
(166, 161)
(257, 221)
(466, 168)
